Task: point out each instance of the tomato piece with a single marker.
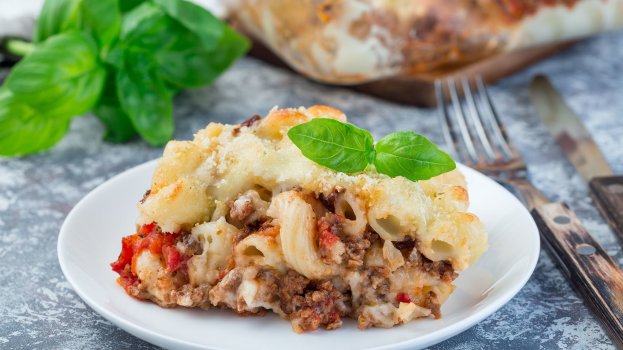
(172, 258)
(169, 239)
(328, 239)
(127, 252)
(148, 237)
(403, 298)
(145, 230)
(127, 280)
(155, 243)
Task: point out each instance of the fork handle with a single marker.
(529, 195)
(586, 264)
(607, 193)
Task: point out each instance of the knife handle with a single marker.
(586, 264)
(607, 193)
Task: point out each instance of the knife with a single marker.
(566, 127)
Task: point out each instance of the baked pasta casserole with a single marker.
(356, 41)
(238, 218)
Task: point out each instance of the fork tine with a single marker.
(494, 120)
(460, 118)
(501, 160)
(448, 134)
(476, 120)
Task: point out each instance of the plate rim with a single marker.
(150, 336)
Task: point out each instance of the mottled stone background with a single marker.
(39, 310)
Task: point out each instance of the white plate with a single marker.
(91, 238)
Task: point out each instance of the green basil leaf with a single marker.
(186, 63)
(145, 97)
(147, 28)
(62, 77)
(119, 127)
(338, 146)
(102, 19)
(128, 5)
(115, 56)
(410, 155)
(198, 20)
(183, 58)
(57, 16)
(24, 130)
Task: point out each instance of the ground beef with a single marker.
(355, 247)
(375, 286)
(324, 233)
(345, 304)
(256, 227)
(225, 292)
(242, 234)
(145, 195)
(355, 251)
(247, 123)
(189, 245)
(407, 243)
(329, 200)
(291, 285)
(318, 307)
(270, 287)
(190, 296)
(378, 279)
(432, 303)
(330, 245)
(334, 223)
(405, 246)
(440, 269)
(371, 235)
(310, 304)
(133, 285)
(248, 210)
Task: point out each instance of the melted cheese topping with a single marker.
(195, 180)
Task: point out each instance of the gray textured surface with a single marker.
(38, 308)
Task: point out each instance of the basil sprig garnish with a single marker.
(349, 149)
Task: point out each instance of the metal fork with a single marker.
(475, 134)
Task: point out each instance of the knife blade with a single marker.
(576, 142)
(568, 130)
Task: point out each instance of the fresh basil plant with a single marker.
(124, 60)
